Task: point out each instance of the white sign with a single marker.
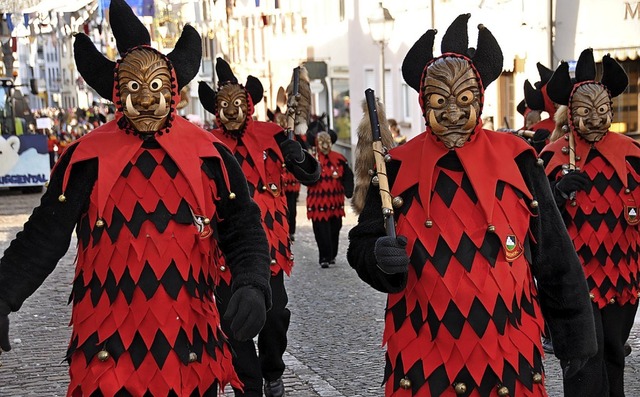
(43, 122)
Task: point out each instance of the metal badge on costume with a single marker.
(145, 89)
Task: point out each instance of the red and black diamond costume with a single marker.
(602, 221)
(480, 223)
(325, 202)
(153, 213)
(259, 147)
(291, 190)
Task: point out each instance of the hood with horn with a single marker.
(536, 96)
(451, 86)
(589, 102)
(233, 103)
(144, 83)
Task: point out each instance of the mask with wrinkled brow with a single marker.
(451, 94)
(144, 83)
(591, 111)
(232, 107)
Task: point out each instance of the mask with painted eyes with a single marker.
(144, 82)
(451, 99)
(232, 107)
(591, 111)
(324, 142)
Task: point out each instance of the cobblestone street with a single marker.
(334, 338)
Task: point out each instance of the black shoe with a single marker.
(275, 388)
(627, 349)
(547, 345)
(324, 265)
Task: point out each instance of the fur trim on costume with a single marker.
(303, 108)
(365, 161)
(562, 121)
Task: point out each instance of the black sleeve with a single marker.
(362, 240)
(347, 179)
(562, 287)
(242, 238)
(307, 171)
(46, 236)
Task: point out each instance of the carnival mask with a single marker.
(232, 106)
(591, 112)
(144, 82)
(324, 142)
(451, 100)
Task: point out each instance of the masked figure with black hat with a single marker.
(262, 149)
(594, 175)
(155, 202)
(325, 198)
(476, 222)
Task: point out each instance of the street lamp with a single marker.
(380, 28)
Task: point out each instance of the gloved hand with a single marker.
(4, 327)
(571, 367)
(247, 312)
(292, 150)
(572, 182)
(539, 139)
(391, 255)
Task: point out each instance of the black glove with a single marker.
(572, 182)
(292, 150)
(391, 255)
(539, 139)
(4, 327)
(247, 312)
(571, 367)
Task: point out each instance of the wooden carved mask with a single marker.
(591, 111)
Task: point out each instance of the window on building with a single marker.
(406, 101)
(505, 111)
(370, 79)
(341, 109)
(389, 89)
(625, 105)
(341, 10)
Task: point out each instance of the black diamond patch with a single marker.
(146, 164)
(148, 282)
(160, 349)
(446, 188)
(172, 280)
(442, 256)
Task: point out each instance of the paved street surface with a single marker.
(334, 339)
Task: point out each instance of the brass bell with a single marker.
(103, 355)
(232, 196)
(334, 174)
(206, 221)
(627, 190)
(46, 184)
(99, 223)
(428, 223)
(566, 137)
(371, 172)
(223, 268)
(405, 383)
(565, 150)
(540, 162)
(638, 294)
(273, 261)
(62, 198)
(460, 388)
(491, 228)
(612, 301)
(193, 357)
(573, 203)
(264, 188)
(397, 202)
(387, 158)
(534, 204)
(592, 296)
(375, 181)
(503, 391)
(578, 158)
(537, 378)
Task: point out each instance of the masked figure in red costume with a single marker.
(476, 222)
(537, 99)
(155, 201)
(325, 198)
(262, 149)
(598, 196)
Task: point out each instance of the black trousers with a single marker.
(252, 367)
(603, 375)
(327, 234)
(292, 204)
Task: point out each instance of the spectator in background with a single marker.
(398, 138)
